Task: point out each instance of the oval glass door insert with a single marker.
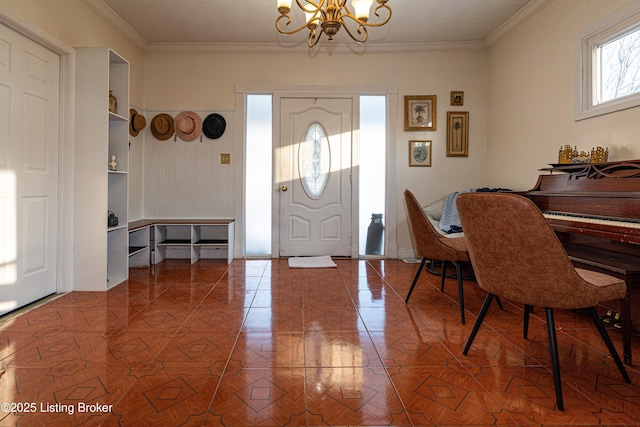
(314, 160)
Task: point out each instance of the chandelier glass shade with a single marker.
(328, 16)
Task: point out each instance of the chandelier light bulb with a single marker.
(309, 12)
(284, 6)
(362, 8)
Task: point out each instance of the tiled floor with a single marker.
(256, 343)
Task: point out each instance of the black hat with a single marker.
(213, 126)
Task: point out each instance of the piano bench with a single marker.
(618, 265)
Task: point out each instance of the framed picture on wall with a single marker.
(420, 112)
(457, 133)
(419, 153)
(457, 98)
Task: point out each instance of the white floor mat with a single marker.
(311, 262)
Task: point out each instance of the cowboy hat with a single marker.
(213, 126)
(162, 126)
(188, 125)
(137, 122)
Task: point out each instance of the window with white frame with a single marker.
(609, 65)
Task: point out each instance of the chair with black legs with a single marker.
(430, 245)
(517, 256)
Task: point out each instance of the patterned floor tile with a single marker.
(259, 397)
(168, 396)
(276, 319)
(340, 349)
(529, 393)
(354, 396)
(449, 396)
(323, 318)
(197, 350)
(268, 350)
(256, 343)
(398, 347)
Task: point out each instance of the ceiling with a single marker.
(154, 23)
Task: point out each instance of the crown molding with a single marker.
(523, 15)
(113, 19)
(318, 49)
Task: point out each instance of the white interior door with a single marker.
(315, 177)
(29, 109)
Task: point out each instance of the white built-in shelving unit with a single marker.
(101, 258)
(194, 241)
(153, 241)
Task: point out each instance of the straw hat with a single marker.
(162, 126)
(188, 125)
(137, 122)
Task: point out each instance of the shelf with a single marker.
(216, 242)
(135, 249)
(117, 117)
(193, 240)
(175, 242)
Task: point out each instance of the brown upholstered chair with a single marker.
(430, 245)
(517, 256)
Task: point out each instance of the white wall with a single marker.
(206, 82)
(531, 97)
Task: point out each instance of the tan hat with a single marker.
(137, 122)
(162, 126)
(188, 125)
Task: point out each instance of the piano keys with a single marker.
(595, 211)
(560, 217)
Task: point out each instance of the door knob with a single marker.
(283, 188)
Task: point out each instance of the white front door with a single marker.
(315, 176)
(29, 109)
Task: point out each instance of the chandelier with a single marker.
(331, 15)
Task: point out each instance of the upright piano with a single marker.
(595, 211)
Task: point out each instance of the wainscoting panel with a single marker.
(186, 179)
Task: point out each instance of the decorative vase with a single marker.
(375, 234)
(113, 103)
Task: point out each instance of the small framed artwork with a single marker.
(420, 112)
(457, 98)
(457, 133)
(419, 153)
